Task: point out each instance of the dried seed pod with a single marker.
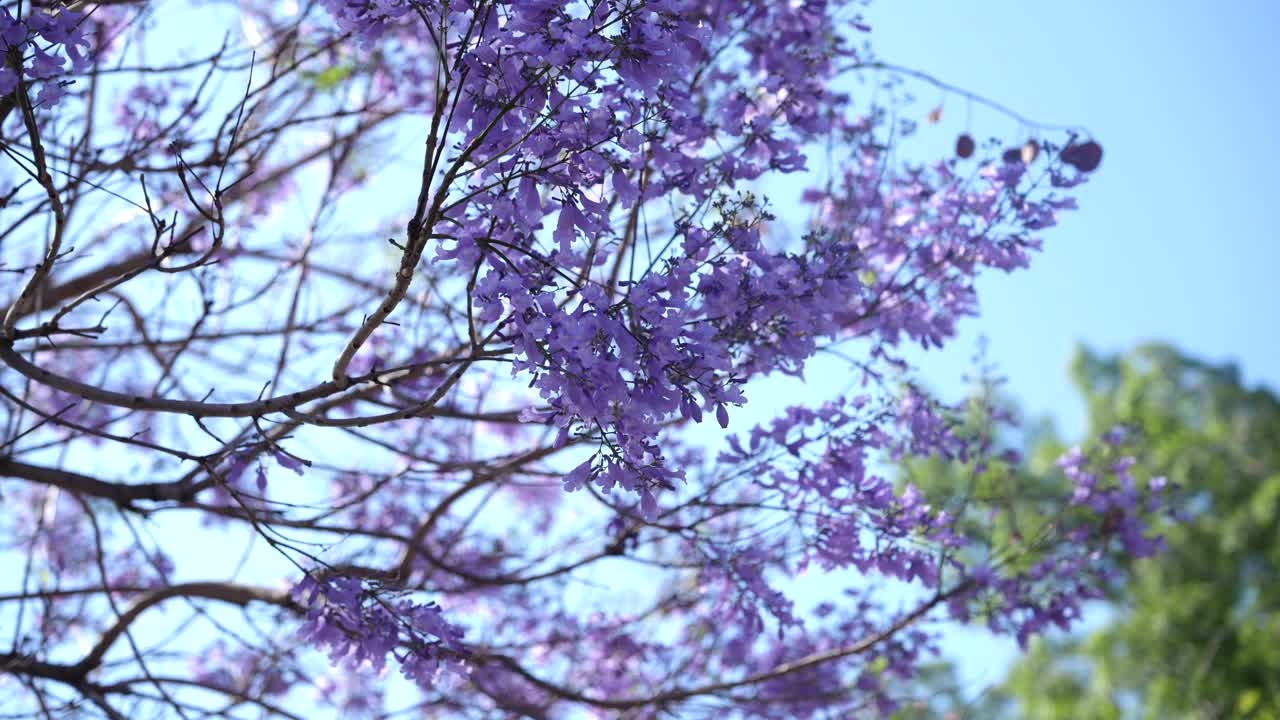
(965, 146)
(1030, 151)
(1084, 157)
(1090, 157)
(1012, 155)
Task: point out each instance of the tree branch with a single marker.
(123, 494)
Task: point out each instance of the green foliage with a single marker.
(330, 78)
(1193, 633)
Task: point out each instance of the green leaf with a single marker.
(331, 78)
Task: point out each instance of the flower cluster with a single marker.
(37, 39)
(1106, 517)
(1122, 504)
(362, 624)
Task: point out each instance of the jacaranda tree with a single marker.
(356, 358)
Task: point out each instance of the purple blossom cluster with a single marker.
(1107, 516)
(803, 694)
(561, 104)
(821, 460)
(808, 689)
(45, 40)
(359, 624)
(368, 19)
(816, 462)
(1121, 502)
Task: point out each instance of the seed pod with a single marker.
(1090, 157)
(1084, 157)
(1030, 151)
(965, 146)
(1012, 155)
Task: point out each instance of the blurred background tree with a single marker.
(1192, 633)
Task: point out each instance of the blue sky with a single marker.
(1175, 237)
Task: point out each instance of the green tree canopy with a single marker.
(1193, 632)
